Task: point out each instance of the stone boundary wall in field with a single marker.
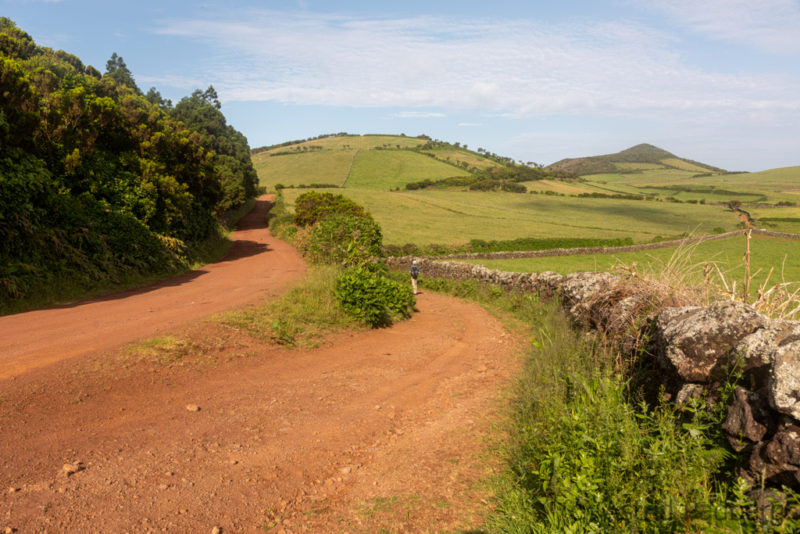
(690, 349)
(776, 234)
(585, 250)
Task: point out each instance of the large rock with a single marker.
(743, 420)
(578, 289)
(784, 379)
(755, 353)
(784, 447)
(695, 342)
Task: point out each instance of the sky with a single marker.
(716, 81)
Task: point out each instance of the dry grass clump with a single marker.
(682, 281)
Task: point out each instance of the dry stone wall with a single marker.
(692, 348)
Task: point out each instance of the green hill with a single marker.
(365, 161)
(635, 159)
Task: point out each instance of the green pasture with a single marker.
(457, 156)
(728, 254)
(322, 167)
(631, 166)
(561, 187)
(388, 169)
(453, 217)
(772, 186)
(683, 165)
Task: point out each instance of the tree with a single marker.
(154, 97)
(117, 70)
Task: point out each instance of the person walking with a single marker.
(414, 270)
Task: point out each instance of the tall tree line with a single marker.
(97, 178)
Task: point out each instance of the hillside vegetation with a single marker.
(99, 181)
(639, 157)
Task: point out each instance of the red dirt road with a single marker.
(256, 264)
(375, 430)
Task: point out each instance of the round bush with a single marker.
(344, 239)
(372, 298)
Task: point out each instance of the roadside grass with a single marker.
(766, 253)
(390, 169)
(583, 456)
(300, 317)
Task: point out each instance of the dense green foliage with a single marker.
(344, 234)
(201, 112)
(311, 207)
(96, 179)
(344, 240)
(583, 456)
(373, 298)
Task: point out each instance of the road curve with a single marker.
(257, 264)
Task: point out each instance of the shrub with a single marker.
(372, 298)
(310, 208)
(344, 239)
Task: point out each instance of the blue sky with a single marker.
(716, 81)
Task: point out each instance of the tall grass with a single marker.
(300, 317)
(582, 457)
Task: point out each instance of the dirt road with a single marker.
(382, 429)
(257, 264)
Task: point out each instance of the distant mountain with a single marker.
(634, 159)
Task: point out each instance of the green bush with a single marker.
(310, 208)
(372, 298)
(344, 239)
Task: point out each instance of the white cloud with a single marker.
(419, 115)
(520, 68)
(770, 25)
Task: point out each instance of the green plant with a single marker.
(311, 207)
(344, 239)
(373, 298)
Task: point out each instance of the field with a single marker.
(323, 167)
(350, 142)
(765, 253)
(428, 217)
(766, 187)
(389, 169)
(458, 156)
(425, 217)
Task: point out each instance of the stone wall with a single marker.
(691, 348)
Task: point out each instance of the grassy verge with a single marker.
(300, 317)
(583, 457)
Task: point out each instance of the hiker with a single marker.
(414, 274)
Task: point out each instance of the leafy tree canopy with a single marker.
(97, 178)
